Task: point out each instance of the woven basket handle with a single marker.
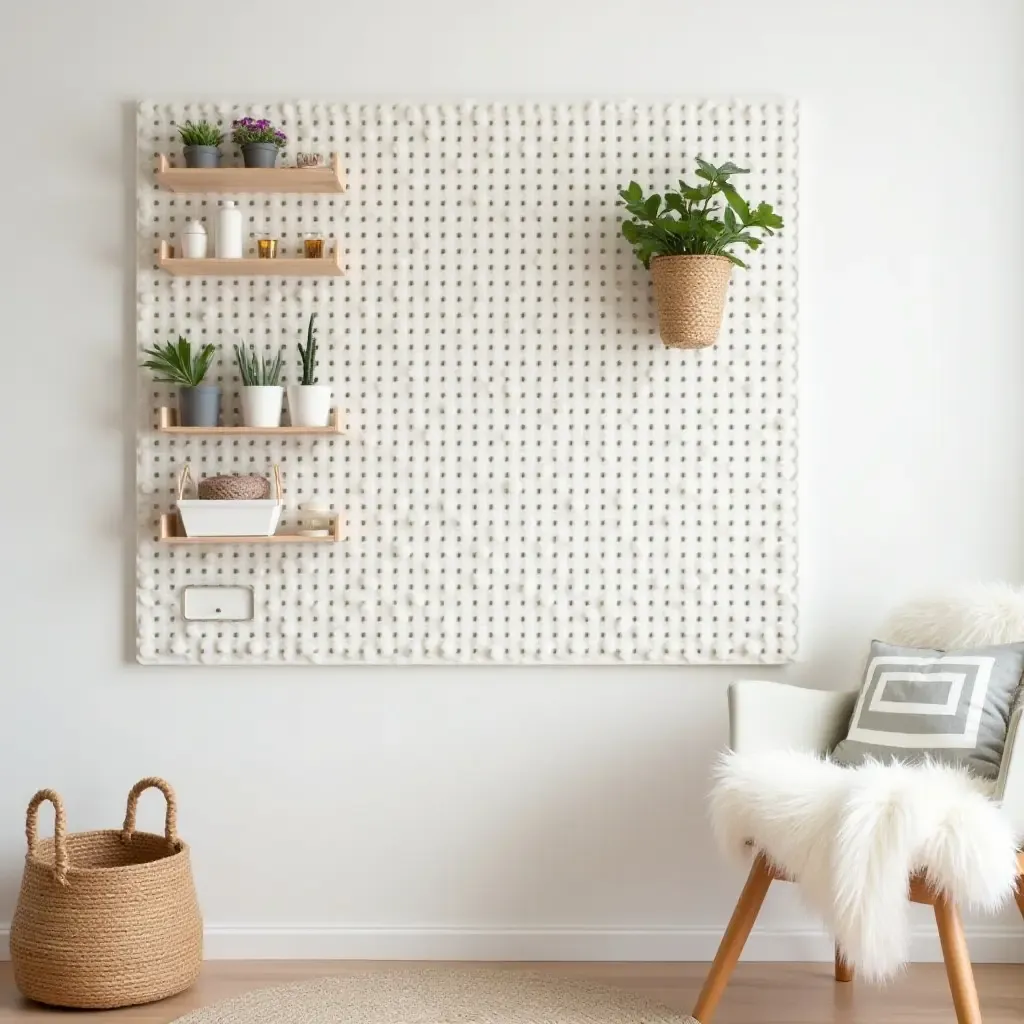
(184, 479)
(60, 831)
(170, 820)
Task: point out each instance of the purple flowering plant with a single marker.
(249, 129)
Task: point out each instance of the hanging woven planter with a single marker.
(690, 292)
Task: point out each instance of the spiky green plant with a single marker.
(258, 371)
(308, 353)
(174, 363)
(200, 133)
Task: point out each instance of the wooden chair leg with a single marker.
(958, 962)
(844, 972)
(734, 939)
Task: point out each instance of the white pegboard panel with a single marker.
(526, 474)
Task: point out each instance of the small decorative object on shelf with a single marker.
(686, 246)
(310, 161)
(262, 393)
(266, 247)
(313, 246)
(201, 143)
(259, 141)
(193, 240)
(173, 363)
(234, 487)
(309, 403)
(230, 516)
(229, 231)
(317, 518)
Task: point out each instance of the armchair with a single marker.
(771, 716)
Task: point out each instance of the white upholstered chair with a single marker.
(775, 716)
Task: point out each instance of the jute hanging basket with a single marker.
(690, 292)
(106, 918)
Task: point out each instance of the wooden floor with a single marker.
(758, 994)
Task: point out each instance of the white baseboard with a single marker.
(330, 942)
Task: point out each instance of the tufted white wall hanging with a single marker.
(525, 474)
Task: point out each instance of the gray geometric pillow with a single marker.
(951, 706)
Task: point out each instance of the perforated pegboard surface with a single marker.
(527, 475)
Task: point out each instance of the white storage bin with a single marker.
(231, 518)
(206, 517)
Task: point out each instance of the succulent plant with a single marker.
(308, 353)
(258, 371)
(200, 133)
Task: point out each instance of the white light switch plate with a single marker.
(208, 603)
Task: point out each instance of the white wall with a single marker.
(500, 812)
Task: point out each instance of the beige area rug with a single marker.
(438, 995)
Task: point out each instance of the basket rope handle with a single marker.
(170, 819)
(277, 484)
(184, 478)
(60, 831)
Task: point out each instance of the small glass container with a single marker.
(313, 246)
(266, 247)
(317, 518)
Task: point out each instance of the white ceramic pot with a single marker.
(193, 241)
(261, 405)
(309, 405)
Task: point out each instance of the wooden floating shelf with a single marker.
(171, 533)
(297, 266)
(167, 423)
(329, 178)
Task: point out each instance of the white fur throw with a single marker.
(975, 615)
(852, 837)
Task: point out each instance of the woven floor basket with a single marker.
(106, 918)
(690, 292)
(234, 488)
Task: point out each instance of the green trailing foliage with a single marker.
(258, 371)
(174, 363)
(308, 353)
(689, 221)
(200, 133)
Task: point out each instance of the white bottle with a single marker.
(193, 240)
(229, 232)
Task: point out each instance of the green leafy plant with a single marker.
(258, 371)
(174, 363)
(200, 133)
(686, 221)
(308, 353)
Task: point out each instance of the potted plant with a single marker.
(259, 140)
(262, 393)
(173, 363)
(685, 243)
(309, 403)
(201, 141)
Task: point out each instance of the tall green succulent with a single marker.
(256, 370)
(308, 353)
(174, 363)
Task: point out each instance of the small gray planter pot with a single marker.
(259, 154)
(202, 156)
(199, 407)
